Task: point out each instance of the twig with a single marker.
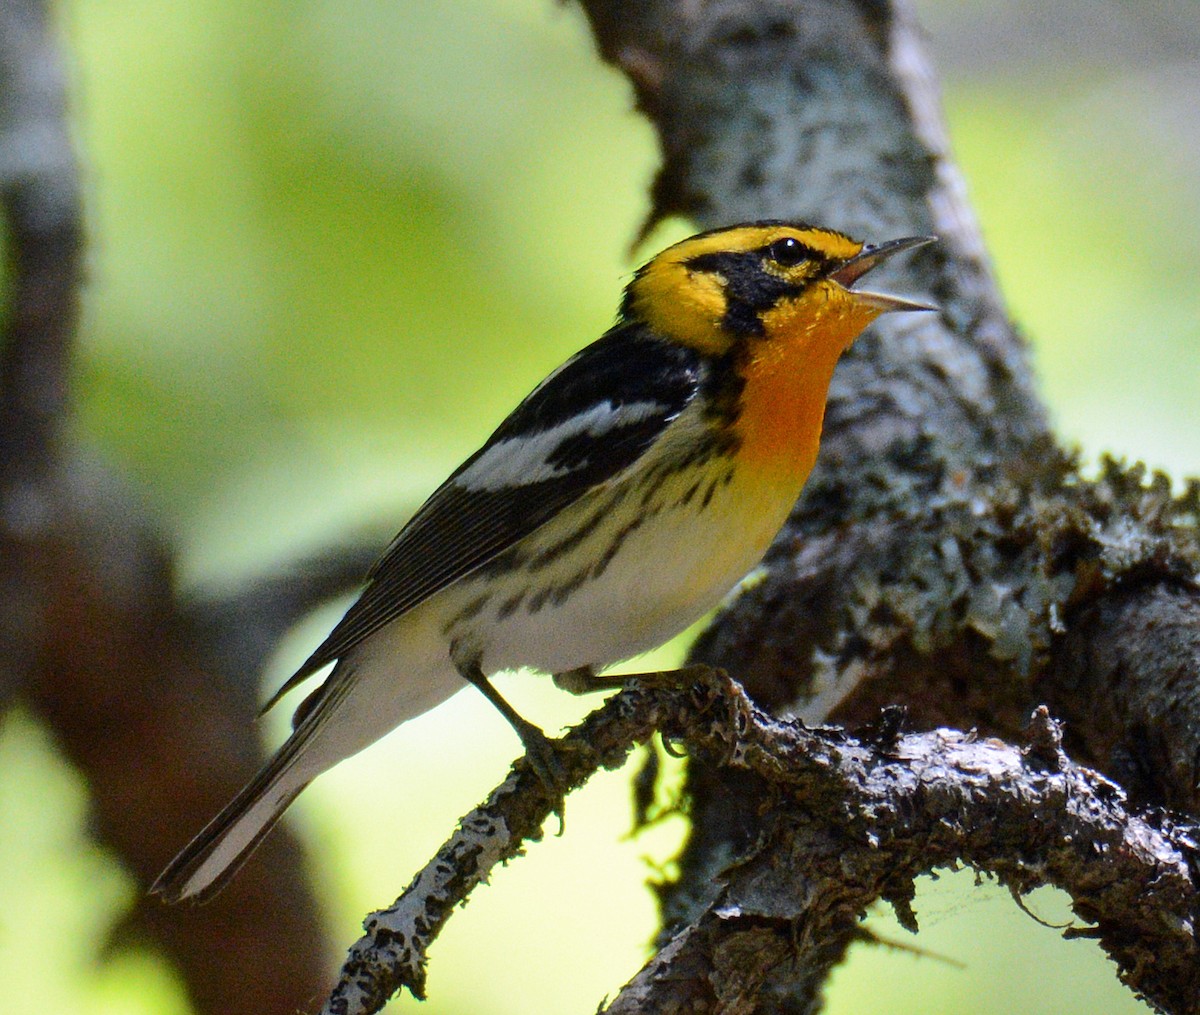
(852, 822)
(392, 953)
(239, 629)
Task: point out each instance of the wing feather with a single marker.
(579, 429)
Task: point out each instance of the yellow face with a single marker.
(774, 301)
(716, 288)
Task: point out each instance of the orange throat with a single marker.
(787, 384)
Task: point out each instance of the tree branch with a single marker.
(1029, 816)
(829, 112)
(392, 954)
(39, 192)
(39, 199)
(851, 821)
(945, 553)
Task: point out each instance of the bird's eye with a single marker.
(788, 251)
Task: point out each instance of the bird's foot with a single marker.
(545, 759)
(585, 680)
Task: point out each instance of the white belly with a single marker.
(582, 607)
(673, 564)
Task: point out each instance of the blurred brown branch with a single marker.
(92, 634)
(40, 204)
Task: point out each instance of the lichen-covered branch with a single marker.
(946, 553)
(852, 821)
(937, 465)
(856, 821)
(393, 952)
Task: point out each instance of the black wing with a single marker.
(582, 426)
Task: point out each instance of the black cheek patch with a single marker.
(742, 319)
(749, 287)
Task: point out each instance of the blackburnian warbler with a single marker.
(617, 504)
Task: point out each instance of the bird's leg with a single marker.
(585, 680)
(540, 750)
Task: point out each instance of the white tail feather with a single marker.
(361, 700)
(223, 845)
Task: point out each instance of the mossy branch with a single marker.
(852, 821)
(946, 554)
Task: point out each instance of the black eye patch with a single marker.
(789, 252)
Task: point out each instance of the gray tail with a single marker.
(206, 864)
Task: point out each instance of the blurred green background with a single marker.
(331, 244)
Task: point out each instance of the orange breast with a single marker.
(787, 383)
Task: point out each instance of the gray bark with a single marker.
(946, 553)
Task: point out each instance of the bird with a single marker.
(619, 502)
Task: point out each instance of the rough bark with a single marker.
(947, 553)
(843, 823)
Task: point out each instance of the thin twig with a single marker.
(853, 822)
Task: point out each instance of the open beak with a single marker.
(870, 256)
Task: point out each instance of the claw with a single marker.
(544, 757)
(541, 753)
